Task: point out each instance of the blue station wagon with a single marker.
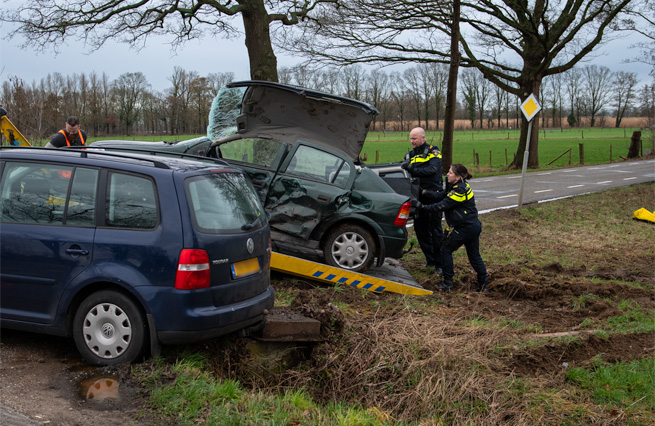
(124, 252)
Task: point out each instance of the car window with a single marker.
(131, 202)
(223, 202)
(82, 202)
(39, 193)
(319, 165)
(261, 152)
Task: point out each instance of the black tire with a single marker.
(349, 247)
(109, 329)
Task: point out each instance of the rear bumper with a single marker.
(393, 247)
(198, 323)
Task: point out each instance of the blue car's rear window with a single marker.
(223, 202)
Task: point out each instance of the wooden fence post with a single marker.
(581, 148)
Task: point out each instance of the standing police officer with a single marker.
(424, 162)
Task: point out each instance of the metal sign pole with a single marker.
(530, 108)
(524, 169)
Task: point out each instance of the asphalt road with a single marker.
(499, 192)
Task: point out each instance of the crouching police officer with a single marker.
(464, 227)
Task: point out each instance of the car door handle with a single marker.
(323, 198)
(77, 252)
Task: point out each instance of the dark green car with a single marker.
(301, 150)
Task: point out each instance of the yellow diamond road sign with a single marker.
(530, 107)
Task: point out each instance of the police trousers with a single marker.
(467, 235)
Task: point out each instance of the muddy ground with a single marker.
(44, 378)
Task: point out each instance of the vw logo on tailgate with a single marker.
(250, 245)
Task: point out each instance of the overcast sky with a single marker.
(156, 61)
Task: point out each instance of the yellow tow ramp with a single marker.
(329, 274)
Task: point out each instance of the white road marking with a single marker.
(543, 190)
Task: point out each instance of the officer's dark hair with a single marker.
(73, 121)
(461, 170)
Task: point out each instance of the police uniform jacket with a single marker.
(425, 162)
(457, 202)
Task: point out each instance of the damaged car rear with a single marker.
(301, 149)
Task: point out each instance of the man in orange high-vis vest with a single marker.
(70, 136)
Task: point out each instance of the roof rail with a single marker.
(212, 160)
(83, 152)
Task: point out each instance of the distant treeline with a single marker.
(590, 96)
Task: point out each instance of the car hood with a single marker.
(288, 113)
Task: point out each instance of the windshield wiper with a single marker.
(249, 226)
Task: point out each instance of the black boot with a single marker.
(483, 287)
(446, 285)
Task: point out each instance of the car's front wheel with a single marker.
(350, 247)
(108, 329)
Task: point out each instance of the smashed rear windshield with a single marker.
(225, 109)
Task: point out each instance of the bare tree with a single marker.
(470, 79)
(624, 93)
(127, 91)
(49, 22)
(499, 96)
(218, 80)
(353, 81)
(379, 88)
(438, 79)
(555, 89)
(399, 96)
(514, 44)
(482, 90)
(598, 82)
(641, 19)
(414, 90)
(573, 82)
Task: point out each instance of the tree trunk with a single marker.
(451, 93)
(256, 24)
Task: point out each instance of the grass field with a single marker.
(495, 149)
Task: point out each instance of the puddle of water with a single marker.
(100, 389)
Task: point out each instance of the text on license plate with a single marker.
(245, 267)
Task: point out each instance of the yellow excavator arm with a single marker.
(10, 132)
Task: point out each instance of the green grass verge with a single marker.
(626, 385)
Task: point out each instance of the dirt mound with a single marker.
(588, 350)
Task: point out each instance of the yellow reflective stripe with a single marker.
(421, 159)
(461, 197)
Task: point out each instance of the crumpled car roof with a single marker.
(289, 113)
